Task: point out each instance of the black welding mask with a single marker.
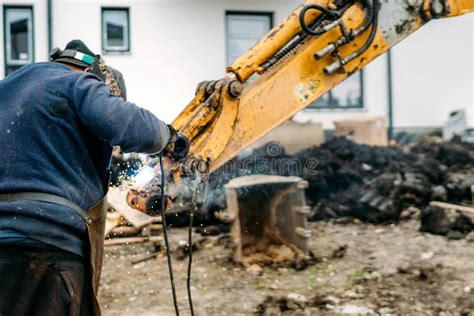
(79, 59)
(78, 54)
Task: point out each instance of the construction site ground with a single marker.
(359, 269)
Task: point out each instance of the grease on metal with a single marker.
(397, 19)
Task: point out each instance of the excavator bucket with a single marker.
(269, 219)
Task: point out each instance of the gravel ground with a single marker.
(360, 269)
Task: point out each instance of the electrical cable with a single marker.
(190, 257)
(165, 233)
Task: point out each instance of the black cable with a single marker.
(368, 19)
(340, 63)
(165, 234)
(190, 258)
(351, 35)
(327, 12)
(343, 5)
(373, 31)
(293, 44)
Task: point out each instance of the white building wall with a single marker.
(177, 43)
(174, 43)
(432, 75)
(433, 72)
(375, 98)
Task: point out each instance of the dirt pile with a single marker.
(350, 180)
(450, 221)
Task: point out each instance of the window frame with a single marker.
(103, 35)
(31, 39)
(333, 106)
(269, 14)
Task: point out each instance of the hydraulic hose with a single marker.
(165, 234)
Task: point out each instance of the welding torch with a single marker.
(146, 193)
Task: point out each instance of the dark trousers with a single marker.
(43, 282)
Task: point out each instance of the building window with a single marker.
(347, 95)
(244, 29)
(115, 30)
(18, 37)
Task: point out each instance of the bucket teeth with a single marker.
(304, 210)
(305, 233)
(303, 184)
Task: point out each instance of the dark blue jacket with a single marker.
(57, 129)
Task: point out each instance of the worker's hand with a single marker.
(178, 145)
(168, 150)
(173, 134)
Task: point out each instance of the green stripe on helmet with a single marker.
(85, 58)
(88, 59)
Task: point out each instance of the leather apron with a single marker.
(95, 222)
(96, 231)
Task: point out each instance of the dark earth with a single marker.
(361, 269)
(378, 248)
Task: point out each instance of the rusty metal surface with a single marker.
(269, 219)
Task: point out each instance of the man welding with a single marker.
(59, 121)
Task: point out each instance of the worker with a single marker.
(59, 122)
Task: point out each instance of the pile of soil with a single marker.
(349, 180)
(447, 221)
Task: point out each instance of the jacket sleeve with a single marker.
(118, 122)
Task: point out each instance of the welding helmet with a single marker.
(114, 79)
(76, 53)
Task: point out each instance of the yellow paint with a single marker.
(459, 7)
(282, 91)
(227, 125)
(249, 63)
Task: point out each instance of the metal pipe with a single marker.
(49, 4)
(390, 95)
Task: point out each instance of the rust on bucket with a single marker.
(269, 219)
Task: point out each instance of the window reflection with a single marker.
(115, 28)
(348, 94)
(18, 37)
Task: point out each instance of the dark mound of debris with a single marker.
(294, 304)
(452, 221)
(350, 180)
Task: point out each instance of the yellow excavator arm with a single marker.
(296, 67)
(311, 51)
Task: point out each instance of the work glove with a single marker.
(173, 134)
(178, 145)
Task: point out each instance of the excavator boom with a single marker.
(311, 51)
(295, 68)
